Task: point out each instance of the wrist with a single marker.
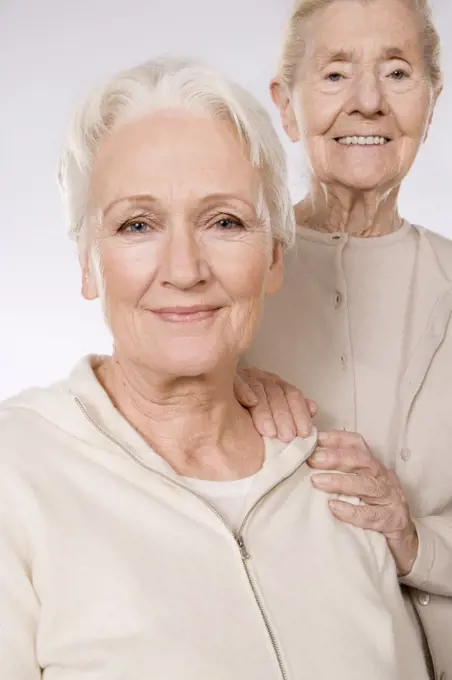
(405, 552)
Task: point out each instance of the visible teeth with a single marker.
(362, 140)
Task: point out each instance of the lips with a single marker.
(362, 140)
(186, 314)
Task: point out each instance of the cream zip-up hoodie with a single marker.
(110, 569)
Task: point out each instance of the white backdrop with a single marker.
(51, 51)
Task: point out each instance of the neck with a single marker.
(358, 213)
(195, 424)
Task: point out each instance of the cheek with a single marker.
(127, 271)
(317, 113)
(241, 268)
(411, 110)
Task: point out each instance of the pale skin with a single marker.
(363, 75)
(181, 260)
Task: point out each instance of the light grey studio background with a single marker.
(50, 52)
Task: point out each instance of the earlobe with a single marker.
(433, 106)
(89, 285)
(89, 288)
(283, 101)
(276, 272)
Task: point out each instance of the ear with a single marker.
(432, 111)
(89, 284)
(283, 101)
(276, 273)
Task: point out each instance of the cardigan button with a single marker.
(424, 599)
(442, 676)
(405, 454)
(337, 299)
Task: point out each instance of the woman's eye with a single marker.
(334, 77)
(399, 74)
(137, 227)
(229, 223)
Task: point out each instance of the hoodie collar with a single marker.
(81, 407)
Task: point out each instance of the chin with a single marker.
(191, 364)
(362, 181)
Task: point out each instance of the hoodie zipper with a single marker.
(238, 537)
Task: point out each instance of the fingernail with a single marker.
(269, 429)
(304, 430)
(321, 480)
(287, 432)
(319, 457)
(251, 397)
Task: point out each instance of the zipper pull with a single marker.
(242, 547)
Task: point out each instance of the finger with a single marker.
(243, 392)
(299, 409)
(342, 461)
(347, 460)
(261, 413)
(370, 489)
(312, 407)
(323, 459)
(370, 517)
(281, 411)
(341, 439)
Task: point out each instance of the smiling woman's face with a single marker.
(184, 256)
(362, 99)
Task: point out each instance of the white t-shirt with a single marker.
(229, 498)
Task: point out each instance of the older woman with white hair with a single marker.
(363, 323)
(146, 528)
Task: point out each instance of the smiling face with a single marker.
(362, 100)
(184, 255)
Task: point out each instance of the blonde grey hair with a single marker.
(168, 83)
(293, 44)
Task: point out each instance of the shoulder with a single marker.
(22, 435)
(16, 416)
(441, 247)
(26, 431)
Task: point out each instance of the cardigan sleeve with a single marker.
(409, 655)
(432, 570)
(18, 600)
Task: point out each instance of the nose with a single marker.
(183, 266)
(367, 97)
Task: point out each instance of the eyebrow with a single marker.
(149, 198)
(393, 53)
(137, 198)
(328, 56)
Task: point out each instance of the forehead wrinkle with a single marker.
(326, 55)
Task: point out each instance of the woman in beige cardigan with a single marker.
(363, 323)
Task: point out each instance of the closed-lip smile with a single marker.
(182, 314)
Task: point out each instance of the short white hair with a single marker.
(169, 83)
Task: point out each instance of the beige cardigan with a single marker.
(111, 568)
(303, 343)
